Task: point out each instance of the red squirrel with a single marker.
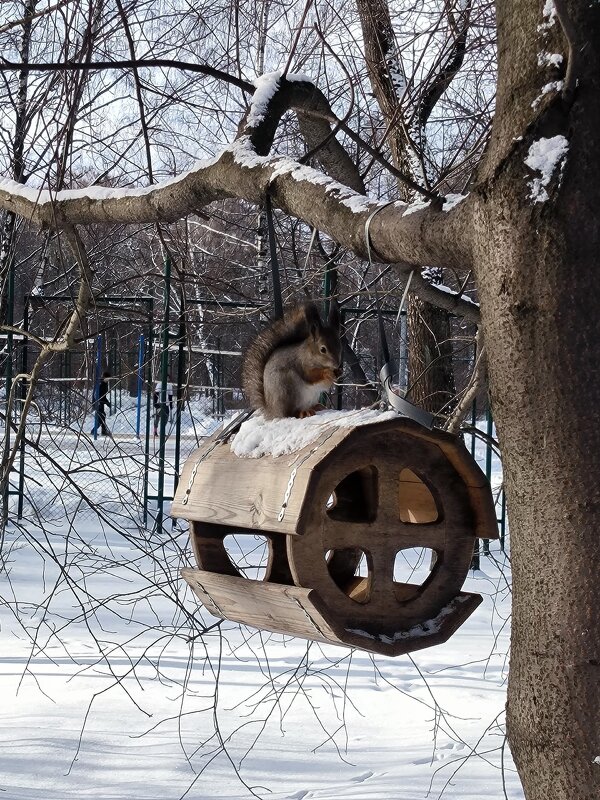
(292, 361)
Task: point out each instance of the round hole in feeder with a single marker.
(350, 572)
(412, 567)
(249, 553)
(416, 503)
(355, 498)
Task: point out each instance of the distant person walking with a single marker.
(103, 401)
(162, 409)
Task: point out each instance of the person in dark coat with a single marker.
(163, 409)
(103, 401)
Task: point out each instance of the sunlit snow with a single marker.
(258, 437)
(544, 156)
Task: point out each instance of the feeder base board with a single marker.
(300, 612)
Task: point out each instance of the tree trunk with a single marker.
(537, 272)
(430, 365)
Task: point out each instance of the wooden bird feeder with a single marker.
(371, 491)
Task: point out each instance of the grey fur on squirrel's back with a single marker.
(292, 328)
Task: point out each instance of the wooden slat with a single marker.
(299, 612)
(247, 492)
(430, 634)
(269, 606)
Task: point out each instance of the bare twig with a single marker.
(476, 382)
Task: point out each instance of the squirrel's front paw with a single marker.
(308, 412)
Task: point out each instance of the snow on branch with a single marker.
(246, 170)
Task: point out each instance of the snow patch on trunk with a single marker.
(549, 59)
(549, 14)
(553, 86)
(544, 156)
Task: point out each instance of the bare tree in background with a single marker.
(407, 100)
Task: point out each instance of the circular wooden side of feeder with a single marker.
(355, 505)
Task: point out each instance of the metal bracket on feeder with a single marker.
(399, 404)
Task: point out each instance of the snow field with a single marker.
(104, 696)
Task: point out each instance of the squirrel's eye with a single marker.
(323, 349)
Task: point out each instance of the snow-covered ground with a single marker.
(115, 684)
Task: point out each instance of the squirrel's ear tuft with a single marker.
(334, 315)
(311, 312)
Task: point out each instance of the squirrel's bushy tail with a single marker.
(292, 328)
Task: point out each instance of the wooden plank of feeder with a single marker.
(269, 606)
(296, 611)
(248, 492)
(431, 633)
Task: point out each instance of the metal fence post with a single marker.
(181, 365)
(149, 388)
(24, 368)
(96, 394)
(164, 368)
(488, 463)
(140, 385)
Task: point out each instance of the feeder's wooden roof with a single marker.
(252, 492)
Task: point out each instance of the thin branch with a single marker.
(138, 89)
(143, 63)
(477, 380)
(297, 37)
(61, 345)
(29, 17)
(570, 34)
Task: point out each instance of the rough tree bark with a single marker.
(536, 266)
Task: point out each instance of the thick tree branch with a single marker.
(315, 118)
(453, 303)
(330, 147)
(424, 236)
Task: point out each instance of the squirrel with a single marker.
(292, 361)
